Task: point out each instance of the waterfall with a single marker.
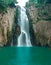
(24, 37)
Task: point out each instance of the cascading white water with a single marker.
(24, 37)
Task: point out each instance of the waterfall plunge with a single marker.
(24, 37)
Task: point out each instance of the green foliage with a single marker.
(5, 3)
(34, 1)
(48, 19)
(38, 2)
(45, 13)
(8, 33)
(27, 4)
(9, 36)
(38, 19)
(2, 6)
(9, 1)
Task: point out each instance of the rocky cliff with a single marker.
(40, 19)
(6, 24)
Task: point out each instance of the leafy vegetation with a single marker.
(40, 2)
(8, 1)
(5, 3)
(2, 6)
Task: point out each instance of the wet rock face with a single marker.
(44, 12)
(32, 12)
(31, 29)
(43, 33)
(41, 23)
(16, 28)
(18, 31)
(6, 22)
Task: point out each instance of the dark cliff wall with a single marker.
(41, 22)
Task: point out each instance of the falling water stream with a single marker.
(24, 38)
